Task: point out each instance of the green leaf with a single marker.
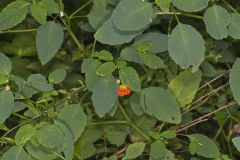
(49, 39)
(98, 13)
(131, 55)
(203, 146)
(134, 150)
(234, 26)
(106, 69)
(51, 136)
(39, 13)
(234, 77)
(163, 5)
(74, 118)
(152, 60)
(158, 150)
(185, 86)
(116, 37)
(190, 6)
(13, 14)
(24, 134)
(161, 104)
(104, 55)
(217, 19)
(104, 95)
(159, 41)
(116, 134)
(126, 15)
(169, 134)
(15, 153)
(6, 105)
(236, 142)
(51, 6)
(129, 76)
(5, 65)
(186, 46)
(57, 76)
(135, 104)
(39, 82)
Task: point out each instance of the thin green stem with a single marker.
(79, 9)
(132, 124)
(182, 14)
(107, 122)
(230, 6)
(19, 31)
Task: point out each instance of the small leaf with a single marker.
(39, 82)
(185, 86)
(6, 105)
(49, 39)
(161, 104)
(129, 76)
(106, 69)
(5, 65)
(16, 153)
(104, 95)
(135, 104)
(126, 15)
(163, 5)
(186, 46)
(190, 6)
(131, 55)
(234, 80)
(236, 142)
(104, 55)
(51, 6)
(158, 150)
(13, 14)
(134, 150)
(169, 134)
(24, 134)
(234, 26)
(39, 13)
(159, 41)
(203, 146)
(217, 19)
(74, 118)
(57, 76)
(152, 60)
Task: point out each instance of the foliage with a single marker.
(119, 79)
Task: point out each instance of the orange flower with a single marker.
(124, 90)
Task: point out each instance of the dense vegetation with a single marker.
(119, 79)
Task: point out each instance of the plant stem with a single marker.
(79, 9)
(107, 122)
(18, 31)
(132, 124)
(230, 6)
(181, 14)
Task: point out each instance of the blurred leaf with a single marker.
(134, 150)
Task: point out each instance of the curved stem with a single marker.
(79, 9)
(132, 124)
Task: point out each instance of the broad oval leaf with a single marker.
(74, 118)
(6, 105)
(109, 34)
(190, 6)
(185, 85)
(158, 150)
(186, 46)
(151, 60)
(39, 82)
(159, 41)
(24, 134)
(39, 13)
(134, 150)
(49, 39)
(234, 26)
(126, 15)
(129, 76)
(161, 104)
(203, 146)
(234, 80)
(131, 55)
(217, 19)
(104, 95)
(5, 65)
(15, 153)
(13, 14)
